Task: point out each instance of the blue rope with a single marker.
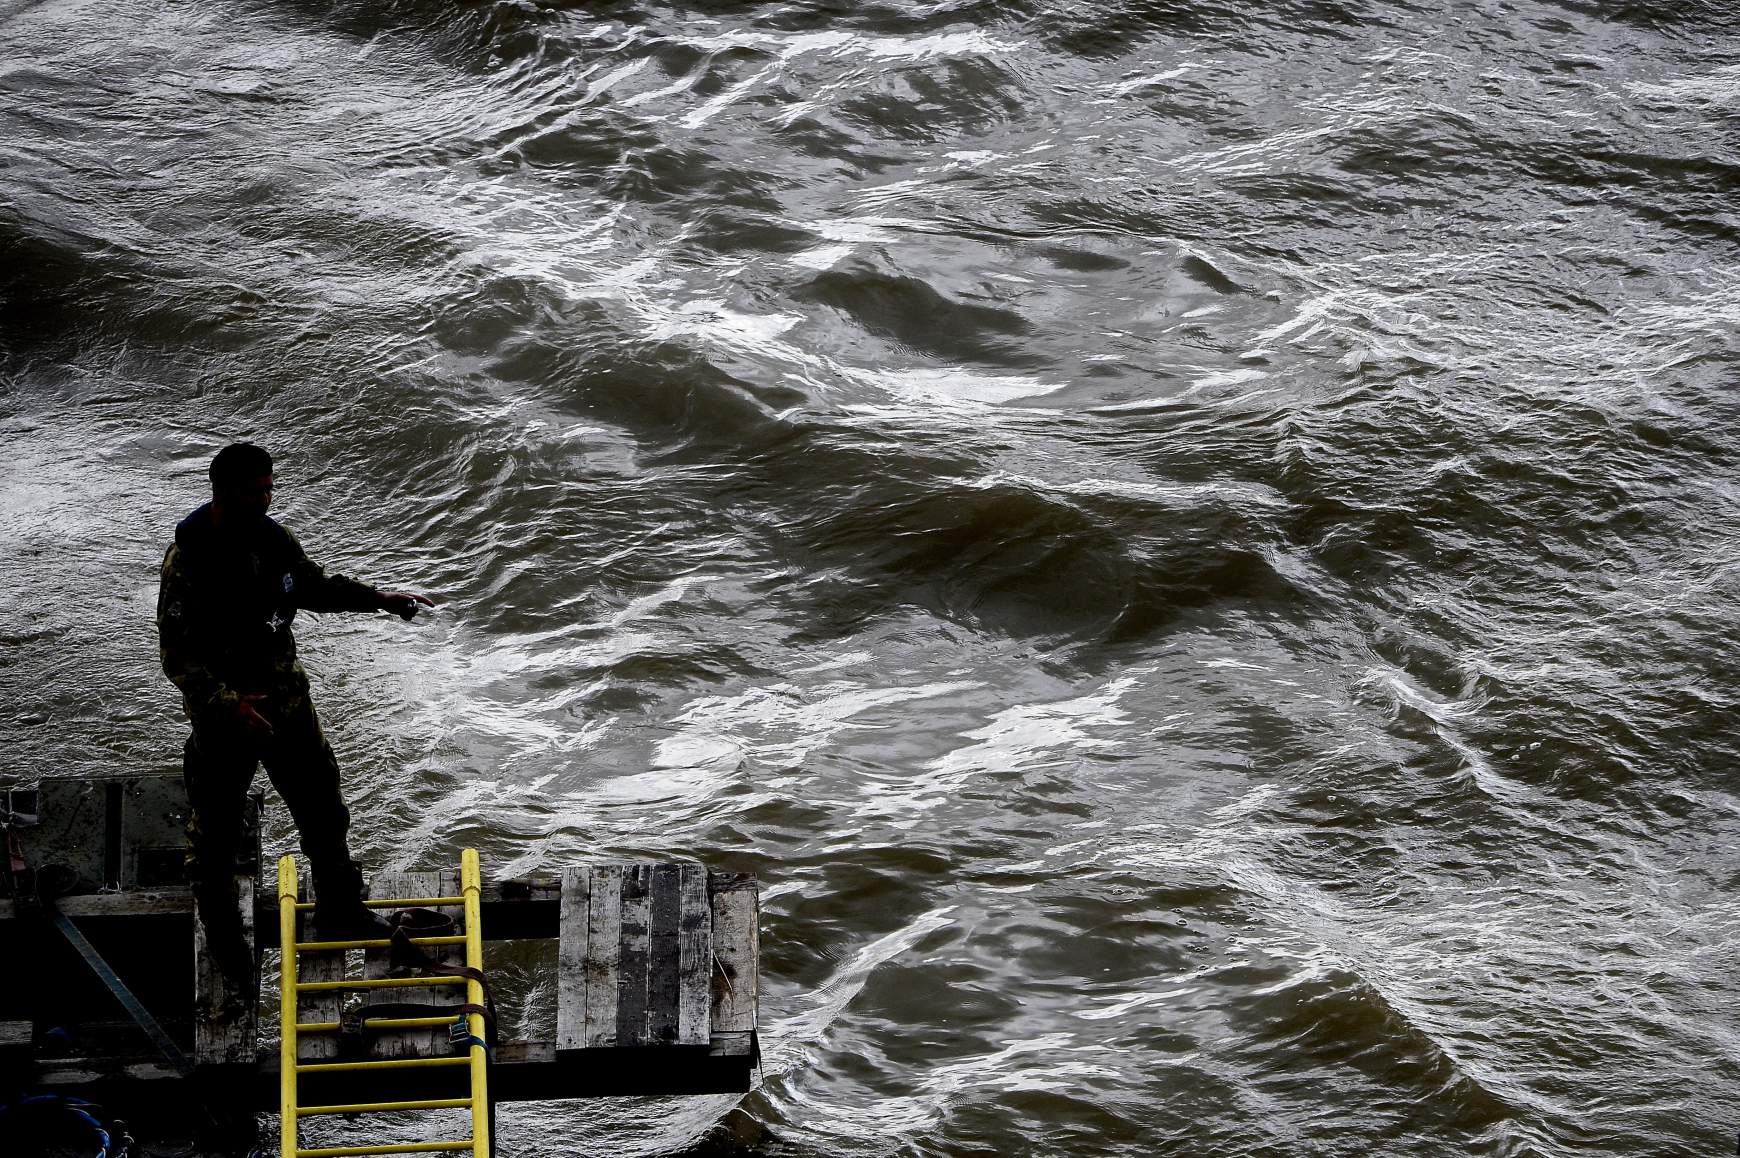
(76, 1107)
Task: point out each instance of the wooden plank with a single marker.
(736, 949)
(377, 963)
(157, 903)
(694, 958)
(537, 1071)
(512, 909)
(220, 1036)
(571, 959)
(317, 1006)
(631, 970)
(521, 1071)
(663, 955)
(603, 952)
(15, 1042)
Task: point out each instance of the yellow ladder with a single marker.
(290, 1066)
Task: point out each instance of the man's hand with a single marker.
(404, 604)
(251, 721)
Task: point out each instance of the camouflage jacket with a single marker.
(225, 606)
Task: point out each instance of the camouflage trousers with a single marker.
(218, 768)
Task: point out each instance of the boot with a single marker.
(339, 912)
(348, 920)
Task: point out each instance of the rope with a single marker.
(77, 1110)
(39, 889)
(403, 954)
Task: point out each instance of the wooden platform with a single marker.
(656, 974)
(656, 986)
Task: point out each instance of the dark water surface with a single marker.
(1192, 544)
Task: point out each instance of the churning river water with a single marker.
(1190, 544)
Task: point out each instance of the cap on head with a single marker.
(239, 464)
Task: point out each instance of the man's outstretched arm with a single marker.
(315, 590)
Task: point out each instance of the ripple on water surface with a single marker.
(1189, 545)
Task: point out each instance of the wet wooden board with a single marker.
(661, 966)
(736, 951)
(222, 1037)
(15, 1043)
(694, 957)
(635, 957)
(634, 964)
(603, 954)
(376, 963)
(571, 958)
(322, 1006)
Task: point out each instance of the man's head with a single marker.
(241, 482)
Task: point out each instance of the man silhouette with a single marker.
(232, 583)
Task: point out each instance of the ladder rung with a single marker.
(396, 903)
(395, 1148)
(388, 1064)
(323, 946)
(383, 1107)
(380, 1023)
(376, 983)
